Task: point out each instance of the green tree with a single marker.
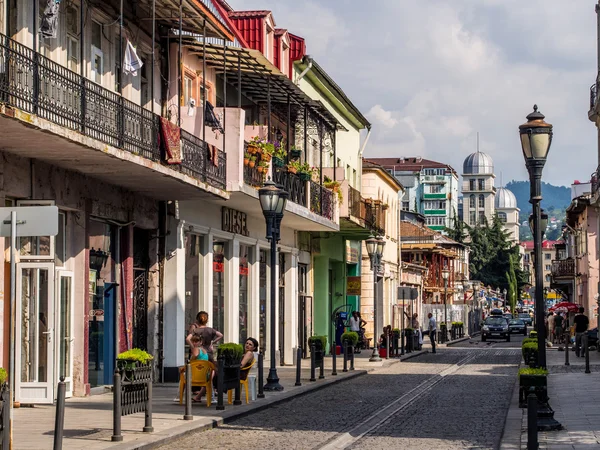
(459, 231)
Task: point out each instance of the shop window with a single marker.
(244, 277)
(36, 247)
(219, 286)
(262, 300)
(60, 250)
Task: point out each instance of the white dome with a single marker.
(505, 199)
(478, 163)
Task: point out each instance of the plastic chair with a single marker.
(201, 377)
(243, 384)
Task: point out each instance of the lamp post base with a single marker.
(273, 382)
(375, 356)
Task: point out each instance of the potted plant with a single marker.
(279, 155)
(3, 376)
(352, 338)
(268, 149)
(3, 387)
(252, 161)
(263, 166)
(246, 158)
(305, 172)
(255, 145)
(530, 353)
(533, 380)
(135, 364)
(335, 187)
(295, 153)
(231, 354)
(533, 334)
(320, 343)
(293, 166)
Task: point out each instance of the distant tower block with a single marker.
(478, 189)
(508, 212)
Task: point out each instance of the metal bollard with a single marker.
(333, 361)
(148, 428)
(567, 336)
(116, 436)
(352, 361)
(532, 431)
(261, 386)
(322, 368)
(188, 392)
(59, 421)
(345, 350)
(298, 366)
(402, 344)
(587, 353)
(312, 363)
(220, 375)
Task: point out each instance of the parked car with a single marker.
(525, 317)
(495, 327)
(517, 326)
(508, 316)
(496, 312)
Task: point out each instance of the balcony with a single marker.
(593, 112)
(564, 268)
(53, 114)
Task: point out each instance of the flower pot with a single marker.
(251, 164)
(292, 169)
(266, 157)
(246, 161)
(260, 169)
(304, 176)
(295, 154)
(252, 149)
(278, 162)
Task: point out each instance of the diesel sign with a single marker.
(234, 221)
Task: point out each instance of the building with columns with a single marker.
(505, 204)
(478, 189)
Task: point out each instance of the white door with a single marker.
(64, 329)
(35, 322)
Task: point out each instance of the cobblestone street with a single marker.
(455, 399)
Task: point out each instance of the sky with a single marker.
(430, 74)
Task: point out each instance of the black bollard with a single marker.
(587, 353)
(352, 361)
(220, 375)
(261, 391)
(532, 431)
(59, 422)
(312, 363)
(345, 350)
(148, 428)
(402, 343)
(116, 436)
(188, 392)
(322, 368)
(298, 366)
(567, 338)
(333, 361)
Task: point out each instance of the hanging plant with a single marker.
(252, 162)
(295, 153)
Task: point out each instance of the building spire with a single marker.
(478, 142)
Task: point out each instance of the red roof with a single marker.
(225, 10)
(243, 14)
(528, 245)
(413, 163)
(280, 31)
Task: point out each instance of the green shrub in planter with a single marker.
(3, 376)
(396, 332)
(351, 337)
(530, 352)
(137, 355)
(533, 334)
(319, 341)
(409, 331)
(530, 371)
(529, 340)
(533, 380)
(231, 352)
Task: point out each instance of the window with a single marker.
(472, 201)
(188, 90)
(481, 201)
(43, 43)
(405, 206)
(502, 217)
(481, 184)
(482, 217)
(547, 278)
(547, 256)
(473, 218)
(548, 267)
(472, 185)
(97, 55)
(118, 72)
(436, 188)
(72, 38)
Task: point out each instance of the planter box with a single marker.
(133, 372)
(319, 351)
(278, 162)
(231, 376)
(540, 385)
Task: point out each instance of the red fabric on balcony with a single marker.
(213, 155)
(171, 140)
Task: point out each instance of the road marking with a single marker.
(375, 420)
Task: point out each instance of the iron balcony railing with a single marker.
(321, 200)
(563, 268)
(354, 203)
(595, 180)
(33, 83)
(375, 217)
(593, 95)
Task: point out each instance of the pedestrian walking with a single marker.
(432, 331)
(581, 325)
(558, 328)
(550, 326)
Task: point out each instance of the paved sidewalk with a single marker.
(88, 421)
(575, 398)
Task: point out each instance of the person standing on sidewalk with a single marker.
(432, 331)
(581, 323)
(558, 329)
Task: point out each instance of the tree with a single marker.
(459, 231)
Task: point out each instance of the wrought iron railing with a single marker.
(354, 203)
(292, 184)
(374, 217)
(595, 180)
(252, 177)
(563, 268)
(593, 95)
(321, 200)
(35, 84)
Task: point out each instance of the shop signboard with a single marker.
(352, 253)
(234, 221)
(353, 286)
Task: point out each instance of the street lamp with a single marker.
(543, 222)
(375, 247)
(445, 276)
(536, 138)
(272, 201)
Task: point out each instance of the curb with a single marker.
(207, 424)
(456, 341)
(413, 355)
(514, 424)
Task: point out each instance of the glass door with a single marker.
(34, 346)
(65, 333)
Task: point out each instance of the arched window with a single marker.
(502, 217)
(472, 202)
(481, 201)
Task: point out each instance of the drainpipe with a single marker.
(309, 60)
(360, 153)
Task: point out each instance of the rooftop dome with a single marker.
(505, 199)
(477, 163)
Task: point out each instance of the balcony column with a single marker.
(179, 62)
(289, 118)
(204, 99)
(333, 143)
(82, 64)
(224, 89)
(305, 134)
(321, 133)
(239, 82)
(269, 107)
(153, 52)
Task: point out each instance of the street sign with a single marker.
(407, 293)
(31, 220)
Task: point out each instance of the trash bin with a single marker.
(252, 387)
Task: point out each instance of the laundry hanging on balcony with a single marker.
(49, 23)
(131, 61)
(213, 154)
(170, 136)
(210, 118)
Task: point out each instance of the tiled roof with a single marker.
(280, 31)
(241, 14)
(412, 163)
(408, 229)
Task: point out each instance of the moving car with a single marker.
(517, 326)
(508, 316)
(525, 317)
(495, 327)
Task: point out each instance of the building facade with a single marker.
(478, 189)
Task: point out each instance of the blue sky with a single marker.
(431, 74)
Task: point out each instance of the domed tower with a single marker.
(478, 188)
(508, 212)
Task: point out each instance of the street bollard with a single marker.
(352, 361)
(261, 387)
(148, 428)
(116, 436)
(298, 366)
(220, 375)
(188, 392)
(312, 363)
(333, 361)
(59, 421)
(402, 343)
(532, 431)
(345, 350)
(587, 353)
(5, 420)
(322, 368)
(237, 400)
(567, 337)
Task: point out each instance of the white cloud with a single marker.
(378, 115)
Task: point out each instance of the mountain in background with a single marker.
(555, 200)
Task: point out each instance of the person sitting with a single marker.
(250, 346)
(200, 353)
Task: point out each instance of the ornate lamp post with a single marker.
(375, 247)
(273, 201)
(536, 138)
